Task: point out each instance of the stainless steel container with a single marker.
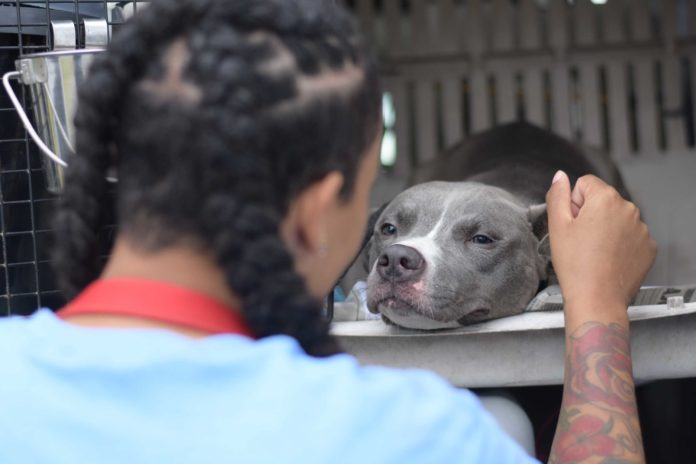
(53, 79)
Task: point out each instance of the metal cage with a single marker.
(26, 279)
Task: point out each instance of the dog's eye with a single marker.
(481, 239)
(388, 229)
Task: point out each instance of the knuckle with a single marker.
(580, 183)
(600, 186)
(613, 194)
(651, 245)
(633, 211)
(589, 178)
(606, 196)
(584, 182)
(594, 180)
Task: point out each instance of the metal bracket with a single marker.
(32, 72)
(64, 35)
(95, 33)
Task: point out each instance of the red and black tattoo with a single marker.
(599, 417)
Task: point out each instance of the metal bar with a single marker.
(49, 38)
(25, 47)
(4, 253)
(38, 231)
(32, 211)
(19, 28)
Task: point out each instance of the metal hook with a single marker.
(25, 120)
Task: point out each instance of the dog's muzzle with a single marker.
(400, 263)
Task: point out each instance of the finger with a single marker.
(587, 186)
(558, 200)
(577, 200)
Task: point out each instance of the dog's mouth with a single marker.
(403, 298)
(396, 305)
(411, 307)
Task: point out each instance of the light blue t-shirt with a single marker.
(72, 394)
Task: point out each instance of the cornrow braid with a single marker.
(219, 114)
(83, 207)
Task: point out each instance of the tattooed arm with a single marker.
(601, 252)
(599, 417)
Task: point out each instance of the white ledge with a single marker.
(522, 350)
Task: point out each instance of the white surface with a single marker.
(525, 322)
(522, 350)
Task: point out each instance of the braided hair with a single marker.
(216, 114)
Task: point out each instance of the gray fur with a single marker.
(497, 185)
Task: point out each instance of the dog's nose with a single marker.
(400, 263)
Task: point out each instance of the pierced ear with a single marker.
(539, 220)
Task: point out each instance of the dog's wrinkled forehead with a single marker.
(434, 206)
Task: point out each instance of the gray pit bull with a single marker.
(469, 244)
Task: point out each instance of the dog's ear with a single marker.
(371, 223)
(359, 267)
(544, 247)
(539, 220)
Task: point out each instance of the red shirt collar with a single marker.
(157, 301)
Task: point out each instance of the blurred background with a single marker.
(618, 75)
(615, 75)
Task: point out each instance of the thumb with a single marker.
(558, 200)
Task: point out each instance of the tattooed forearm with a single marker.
(599, 417)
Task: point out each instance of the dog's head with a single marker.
(449, 254)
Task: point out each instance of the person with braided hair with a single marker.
(245, 137)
